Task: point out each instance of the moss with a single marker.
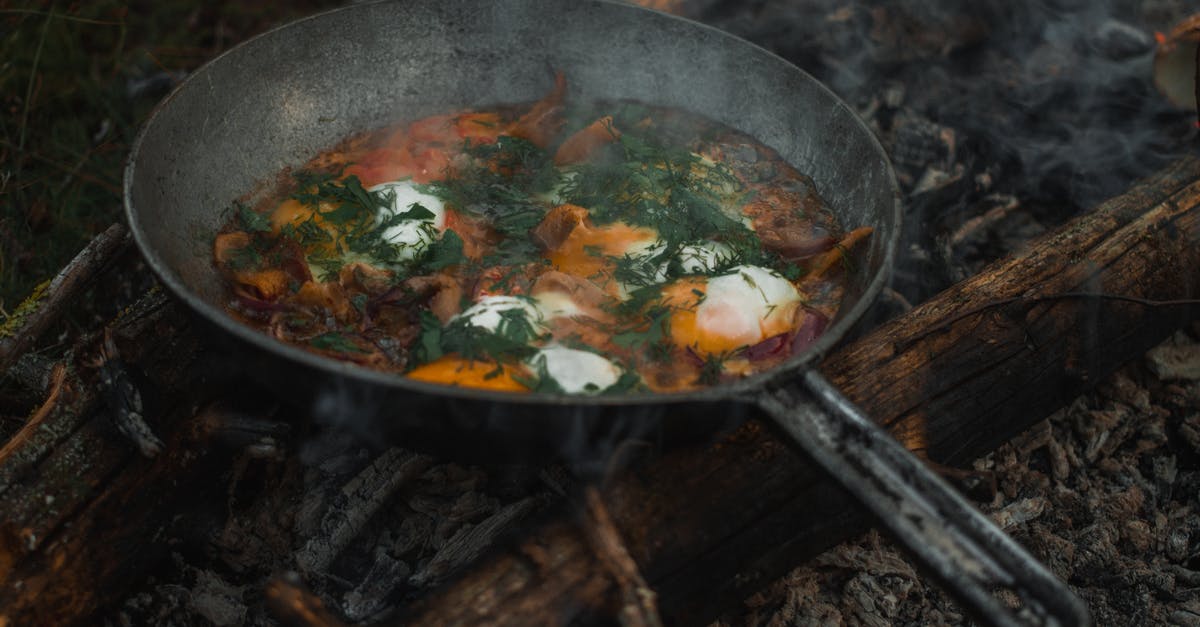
(16, 319)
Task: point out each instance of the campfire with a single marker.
(1037, 346)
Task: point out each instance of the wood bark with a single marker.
(952, 380)
(81, 511)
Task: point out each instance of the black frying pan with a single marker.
(280, 98)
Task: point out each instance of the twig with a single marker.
(48, 301)
(1033, 300)
(638, 606)
(69, 170)
(997, 213)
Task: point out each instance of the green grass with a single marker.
(68, 116)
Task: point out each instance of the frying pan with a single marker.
(278, 99)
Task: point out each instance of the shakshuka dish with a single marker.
(577, 248)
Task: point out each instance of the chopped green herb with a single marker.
(251, 220)
(512, 340)
(444, 252)
(652, 331)
(335, 342)
(429, 343)
(416, 211)
(712, 369)
(245, 258)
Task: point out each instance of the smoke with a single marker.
(1013, 115)
(595, 440)
(1060, 91)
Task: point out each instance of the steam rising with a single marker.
(595, 440)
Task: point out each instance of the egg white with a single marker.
(576, 371)
(486, 312)
(410, 237)
(704, 257)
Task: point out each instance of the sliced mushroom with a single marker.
(558, 224)
(544, 120)
(582, 144)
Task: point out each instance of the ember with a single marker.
(1007, 125)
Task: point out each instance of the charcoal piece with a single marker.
(356, 503)
(371, 597)
(217, 600)
(470, 541)
(918, 144)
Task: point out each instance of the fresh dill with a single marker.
(651, 334)
(712, 369)
(335, 342)
(681, 195)
(444, 252)
(251, 220)
(511, 340)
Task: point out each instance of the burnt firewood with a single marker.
(357, 502)
(81, 513)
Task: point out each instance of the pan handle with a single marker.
(967, 553)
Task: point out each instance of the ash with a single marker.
(1105, 492)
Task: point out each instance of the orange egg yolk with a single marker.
(589, 251)
(293, 212)
(454, 370)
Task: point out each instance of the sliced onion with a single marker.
(812, 324)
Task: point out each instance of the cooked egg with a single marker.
(487, 312)
(742, 307)
(591, 251)
(576, 371)
(410, 237)
(454, 370)
(704, 257)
